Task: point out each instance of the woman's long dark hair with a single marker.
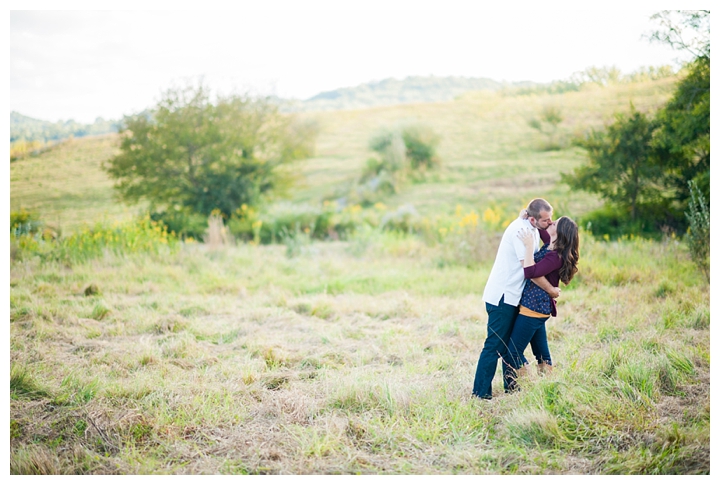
(567, 246)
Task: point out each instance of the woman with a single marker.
(556, 261)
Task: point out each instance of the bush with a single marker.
(404, 152)
(698, 235)
(140, 236)
(405, 219)
(282, 221)
(652, 221)
(183, 222)
(24, 222)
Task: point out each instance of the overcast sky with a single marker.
(83, 64)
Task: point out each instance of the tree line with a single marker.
(25, 128)
(646, 167)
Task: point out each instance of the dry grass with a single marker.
(356, 357)
(224, 362)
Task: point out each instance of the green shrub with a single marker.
(698, 235)
(405, 219)
(278, 223)
(24, 222)
(183, 222)
(616, 222)
(403, 152)
(139, 236)
(421, 144)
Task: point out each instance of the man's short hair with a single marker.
(537, 205)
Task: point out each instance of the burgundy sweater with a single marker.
(549, 267)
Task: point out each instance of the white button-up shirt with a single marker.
(507, 276)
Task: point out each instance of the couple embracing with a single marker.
(521, 291)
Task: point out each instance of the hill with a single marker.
(386, 92)
(31, 129)
(491, 156)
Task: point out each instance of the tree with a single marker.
(646, 162)
(687, 30)
(681, 143)
(191, 153)
(618, 168)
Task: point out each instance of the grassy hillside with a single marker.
(490, 152)
(490, 155)
(67, 186)
(352, 357)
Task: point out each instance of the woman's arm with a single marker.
(546, 265)
(529, 265)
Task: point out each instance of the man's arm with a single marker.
(544, 284)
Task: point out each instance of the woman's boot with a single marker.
(544, 368)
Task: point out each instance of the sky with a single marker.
(82, 64)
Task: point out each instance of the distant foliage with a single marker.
(182, 221)
(698, 235)
(403, 153)
(22, 149)
(592, 76)
(613, 222)
(24, 222)
(413, 89)
(547, 123)
(279, 222)
(24, 128)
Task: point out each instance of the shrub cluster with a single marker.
(405, 152)
(698, 235)
(613, 222)
(24, 222)
(283, 221)
(139, 236)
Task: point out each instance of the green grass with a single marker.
(355, 357)
(229, 355)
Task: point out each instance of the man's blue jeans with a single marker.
(499, 328)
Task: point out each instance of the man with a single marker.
(504, 289)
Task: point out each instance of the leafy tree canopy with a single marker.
(641, 161)
(617, 167)
(191, 153)
(682, 140)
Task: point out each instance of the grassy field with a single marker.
(356, 356)
(240, 360)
